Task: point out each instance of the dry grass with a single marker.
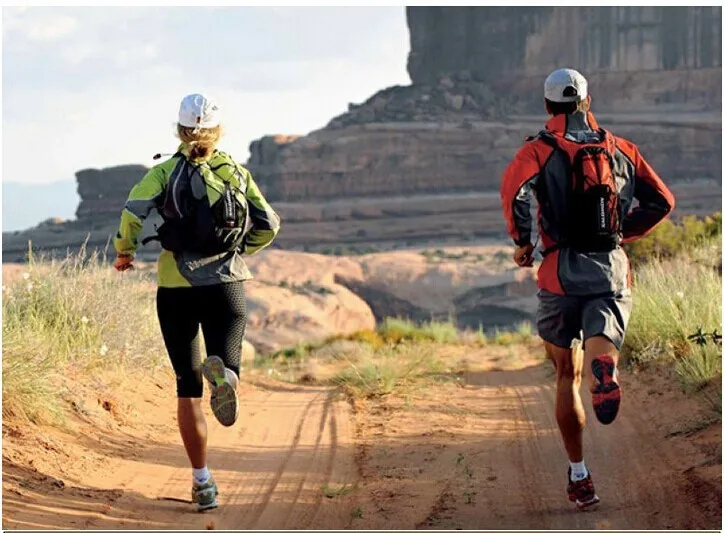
(395, 369)
(72, 317)
(674, 299)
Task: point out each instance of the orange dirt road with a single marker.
(485, 455)
(270, 468)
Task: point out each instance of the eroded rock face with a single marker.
(494, 42)
(422, 158)
(455, 93)
(423, 162)
(477, 93)
(477, 72)
(103, 192)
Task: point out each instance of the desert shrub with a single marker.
(395, 330)
(669, 240)
(522, 333)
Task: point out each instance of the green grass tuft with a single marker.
(394, 330)
(393, 369)
(670, 240)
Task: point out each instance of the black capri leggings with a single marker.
(220, 310)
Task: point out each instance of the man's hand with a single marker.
(523, 256)
(123, 262)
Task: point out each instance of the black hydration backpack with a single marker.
(190, 222)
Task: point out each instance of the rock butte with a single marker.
(422, 163)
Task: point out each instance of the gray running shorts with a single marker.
(561, 319)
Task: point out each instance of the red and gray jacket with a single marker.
(540, 165)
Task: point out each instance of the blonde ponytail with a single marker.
(201, 142)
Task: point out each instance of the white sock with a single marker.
(578, 471)
(201, 475)
(232, 378)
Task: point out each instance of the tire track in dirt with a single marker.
(260, 508)
(301, 522)
(496, 463)
(270, 468)
(520, 465)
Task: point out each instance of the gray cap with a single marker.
(565, 85)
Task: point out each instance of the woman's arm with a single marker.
(265, 222)
(142, 198)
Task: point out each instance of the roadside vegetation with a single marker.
(670, 240)
(72, 318)
(397, 357)
(75, 318)
(676, 320)
(677, 294)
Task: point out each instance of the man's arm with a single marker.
(655, 199)
(516, 194)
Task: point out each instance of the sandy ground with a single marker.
(491, 458)
(270, 467)
(481, 452)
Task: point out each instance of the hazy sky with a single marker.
(93, 87)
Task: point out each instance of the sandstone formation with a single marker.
(103, 192)
(391, 159)
(307, 297)
(507, 42)
(422, 163)
(654, 73)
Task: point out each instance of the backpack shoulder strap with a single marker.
(229, 163)
(549, 138)
(609, 140)
(543, 135)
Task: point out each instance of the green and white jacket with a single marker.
(187, 269)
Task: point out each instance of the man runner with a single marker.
(585, 180)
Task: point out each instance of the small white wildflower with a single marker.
(84, 319)
(269, 372)
(30, 286)
(26, 276)
(104, 349)
(680, 294)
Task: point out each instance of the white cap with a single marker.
(199, 111)
(565, 85)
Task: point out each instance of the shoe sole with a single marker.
(607, 394)
(224, 401)
(201, 508)
(581, 506)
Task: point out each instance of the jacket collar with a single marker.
(559, 123)
(183, 148)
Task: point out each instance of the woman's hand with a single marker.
(123, 262)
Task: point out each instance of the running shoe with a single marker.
(607, 393)
(224, 401)
(582, 492)
(204, 495)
